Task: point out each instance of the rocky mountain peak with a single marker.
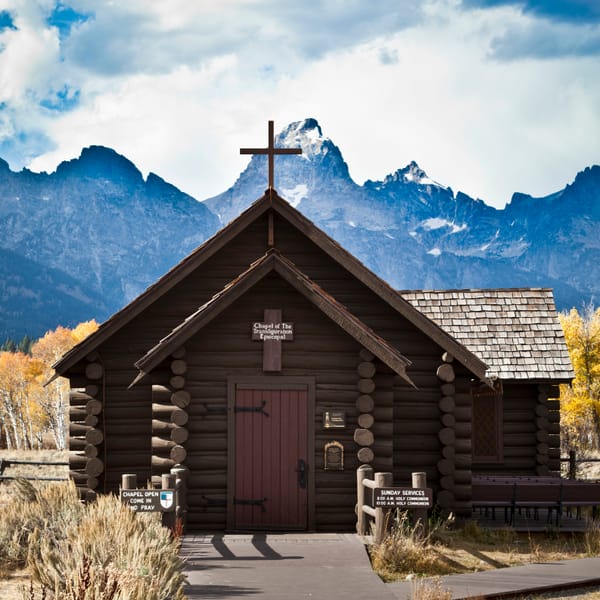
(412, 173)
(99, 162)
(306, 134)
(90, 220)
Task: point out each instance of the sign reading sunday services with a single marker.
(402, 498)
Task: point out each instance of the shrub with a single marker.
(50, 509)
(592, 538)
(99, 551)
(405, 550)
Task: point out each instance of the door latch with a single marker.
(302, 473)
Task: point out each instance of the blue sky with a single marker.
(488, 96)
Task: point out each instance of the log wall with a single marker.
(524, 434)
(86, 427)
(547, 420)
(390, 425)
(319, 349)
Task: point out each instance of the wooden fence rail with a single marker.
(367, 514)
(6, 463)
(574, 461)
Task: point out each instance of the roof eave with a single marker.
(383, 290)
(271, 200)
(273, 262)
(164, 284)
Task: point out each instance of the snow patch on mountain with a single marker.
(434, 252)
(438, 223)
(307, 135)
(296, 194)
(412, 173)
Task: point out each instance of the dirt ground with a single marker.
(459, 553)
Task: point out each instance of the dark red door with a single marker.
(271, 477)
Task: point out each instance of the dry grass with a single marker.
(429, 590)
(31, 471)
(471, 548)
(405, 552)
(100, 551)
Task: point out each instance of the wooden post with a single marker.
(382, 524)
(181, 473)
(363, 472)
(168, 482)
(421, 524)
(572, 464)
(128, 481)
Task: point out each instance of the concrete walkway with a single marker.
(535, 578)
(332, 566)
(280, 567)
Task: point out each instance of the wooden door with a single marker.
(271, 471)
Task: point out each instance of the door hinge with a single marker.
(259, 502)
(259, 409)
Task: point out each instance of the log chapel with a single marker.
(271, 364)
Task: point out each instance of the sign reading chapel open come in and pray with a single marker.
(143, 500)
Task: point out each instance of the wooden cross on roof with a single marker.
(271, 151)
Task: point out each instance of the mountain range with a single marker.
(83, 241)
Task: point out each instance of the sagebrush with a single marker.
(406, 550)
(98, 551)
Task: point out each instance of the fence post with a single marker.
(363, 472)
(168, 482)
(382, 480)
(181, 472)
(420, 522)
(572, 464)
(129, 481)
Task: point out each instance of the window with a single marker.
(487, 438)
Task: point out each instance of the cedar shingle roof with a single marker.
(516, 332)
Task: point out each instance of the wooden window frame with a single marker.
(497, 395)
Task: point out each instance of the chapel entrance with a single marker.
(270, 459)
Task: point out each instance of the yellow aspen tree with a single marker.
(53, 397)
(580, 402)
(22, 421)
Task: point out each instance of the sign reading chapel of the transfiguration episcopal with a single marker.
(272, 331)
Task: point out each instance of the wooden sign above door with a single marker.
(272, 331)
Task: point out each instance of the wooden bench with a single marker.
(578, 495)
(490, 495)
(532, 494)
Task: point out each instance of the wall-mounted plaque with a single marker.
(334, 456)
(334, 419)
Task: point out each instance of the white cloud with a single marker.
(179, 87)
(29, 57)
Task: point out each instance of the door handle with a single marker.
(302, 473)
